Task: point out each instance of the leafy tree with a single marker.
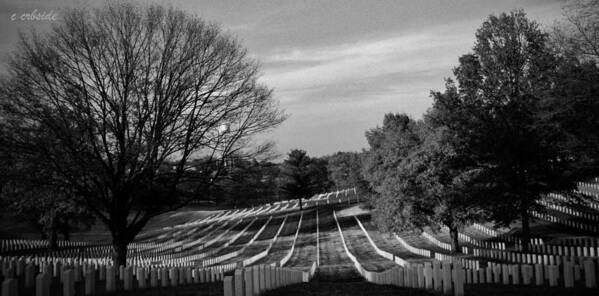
(302, 176)
(247, 182)
(389, 146)
(505, 136)
(50, 211)
(319, 175)
(498, 111)
(269, 173)
(421, 176)
(29, 192)
(345, 171)
(572, 105)
(572, 101)
(119, 100)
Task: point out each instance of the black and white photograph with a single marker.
(299, 147)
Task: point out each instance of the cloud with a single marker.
(434, 50)
(337, 68)
(335, 93)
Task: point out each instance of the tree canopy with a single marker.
(345, 171)
(390, 145)
(502, 94)
(247, 183)
(303, 176)
(515, 126)
(421, 176)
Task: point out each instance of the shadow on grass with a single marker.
(496, 290)
(362, 288)
(338, 288)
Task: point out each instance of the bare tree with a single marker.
(578, 34)
(122, 99)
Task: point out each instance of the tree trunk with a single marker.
(525, 227)
(119, 255)
(66, 234)
(123, 235)
(53, 238)
(455, 243)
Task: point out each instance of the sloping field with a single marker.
(444, 236)
(387, 242)
(358, 245)
(283, 243)
(304, 253)
(414, 239)
(278, 251)
(187, 246)
(334, 262)
(253, 249)
(363, 288)
(250, 232)
(271, 229)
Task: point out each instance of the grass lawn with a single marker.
(212, 289)
(339, 288)
(496, 290)
(11, 226)
(362, 288)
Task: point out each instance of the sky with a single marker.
(336, 67)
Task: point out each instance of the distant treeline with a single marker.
(249, 182)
